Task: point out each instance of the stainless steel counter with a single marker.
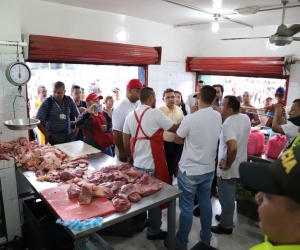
(261, 158)
(166, 194)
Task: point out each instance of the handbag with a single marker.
(103, 139)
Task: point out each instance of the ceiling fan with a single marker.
(283, 36)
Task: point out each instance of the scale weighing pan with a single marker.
(21, 124)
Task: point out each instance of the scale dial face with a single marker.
(18, 73)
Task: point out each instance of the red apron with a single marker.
(157, 148)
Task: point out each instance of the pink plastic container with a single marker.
(275, 145)
(256, 142)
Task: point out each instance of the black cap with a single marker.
(282, 177)
(195, 95)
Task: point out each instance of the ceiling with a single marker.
(166, 13)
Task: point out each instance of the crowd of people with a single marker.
(202, 142)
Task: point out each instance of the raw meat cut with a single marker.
(122, 205)
(133, 174)
(73, 191)
(126, 190)
(101, 191)
(85, 195)
(134, 197)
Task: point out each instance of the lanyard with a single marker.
(59, 107)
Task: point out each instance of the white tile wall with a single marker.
(294, 84)
(170, 75)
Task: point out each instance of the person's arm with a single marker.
(277, 119)
(84, 117)
(126, 141)
(178, 139)
(109, 121)
(174, 128)
(230, 156)
(256, 121)
(119, 143)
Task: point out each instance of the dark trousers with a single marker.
(171, 153)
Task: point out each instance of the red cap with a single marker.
(134, 84)
(93, 96)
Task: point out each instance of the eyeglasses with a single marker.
(169, 97)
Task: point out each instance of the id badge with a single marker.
(62, 116)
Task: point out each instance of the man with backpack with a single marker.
(54, 115)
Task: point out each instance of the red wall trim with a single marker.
(67, 50)
(271, 67)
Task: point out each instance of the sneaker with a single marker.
(221, 230)
(196, 212)
(162, 235)
(218, 217)
(139, 227)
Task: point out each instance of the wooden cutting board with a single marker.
(77, 148)
(66, 208)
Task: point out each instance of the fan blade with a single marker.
(296, 38)
(241, 38)
(284, 31)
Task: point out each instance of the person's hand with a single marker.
(74, 133)
(47, 138)
(278, 108)
(242, 110)
(103, 128)
(91, 109)
(130, 160)
(194, 109)
(81, 109)
(72, 122)
(222, 164)
(269, 109)
(122, 157)
(215, 107)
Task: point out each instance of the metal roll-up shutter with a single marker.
(270, 67)
(67, 50)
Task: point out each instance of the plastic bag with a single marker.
(275, 145)
(77, 225)
(256, 141)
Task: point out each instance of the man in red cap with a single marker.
(129, 104)
(96, 125)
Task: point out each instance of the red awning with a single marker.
(270, 67)
(58, 49)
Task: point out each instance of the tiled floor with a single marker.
(245, 235)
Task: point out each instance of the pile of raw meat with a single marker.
(121, 183)
(49, 163)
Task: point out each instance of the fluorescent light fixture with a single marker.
(215, 26)
(248, 10)
(217, 4)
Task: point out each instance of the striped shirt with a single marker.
(52, 119)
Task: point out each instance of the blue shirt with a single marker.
(53, 119)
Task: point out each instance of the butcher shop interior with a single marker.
(156, 124)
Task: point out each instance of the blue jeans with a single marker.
(107, 151)
(226, 190)
(191, 185)
(154, 214)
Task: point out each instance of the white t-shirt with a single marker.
(120, 113)
(290, 130)
(152, 120)
(201, 131)
(236, 127)
(191, 101)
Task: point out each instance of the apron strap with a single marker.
(139, 127)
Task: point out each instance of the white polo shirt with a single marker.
(236, 127)
(201, 131)
(120, 113)
(191, 101)
(290, 130)
(152, 120)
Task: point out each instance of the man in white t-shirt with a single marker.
(191, 101)
(144, 147)
(199, 132)
(232, 151)
(130, 102)
(288, 129)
